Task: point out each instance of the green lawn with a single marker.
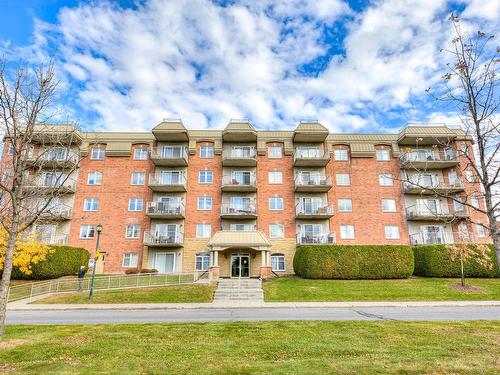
(412, 289)
(255, 348)
(177, 293)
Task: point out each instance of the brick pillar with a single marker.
(265, 268)
(214, 269)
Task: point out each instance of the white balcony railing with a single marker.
(166, 238)
(431, 238)
(239, 153)
(57, 212)
(424, 211)
(48, 155)
(165, 208)
(167, 179)
(312, 210)
(312, 180)
(61, 183)
(323, 238)
(169, 153)
(310, 154)
(239, 180)
(239, 209)
(427, 156)
(434, 183)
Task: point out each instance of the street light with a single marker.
(99, 230)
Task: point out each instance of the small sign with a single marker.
(91, 263)
(97, 254)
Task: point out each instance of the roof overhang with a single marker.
(311, 132)
(414, 135)
(226, 239)
(239, 131)
(171, 131)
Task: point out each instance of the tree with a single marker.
(467, 253)
(471, 86)
(38, 164)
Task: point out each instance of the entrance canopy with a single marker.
(226, 239)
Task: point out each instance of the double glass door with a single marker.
(240, 265)
(165, 262)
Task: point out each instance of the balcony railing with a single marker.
(239, 157)
(246, 228)
(416, 185)
(165, 209)
(323, 210)
(231, 209)
(49, 238)
(167, 182)
(316, 239)
(310, 157)
(307, 182)
(441, 212)
(247, 180)
(431, 238)
(50, 159)
(164, 239)
(169, 155)
(62, 184)
(428, 159)
(60, 212)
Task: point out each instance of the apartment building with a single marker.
(237, 202)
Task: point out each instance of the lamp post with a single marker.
(91, 289)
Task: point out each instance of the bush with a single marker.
(148, 270)
(354, 261)
(131, 271)
(62, 261)
(434, 261)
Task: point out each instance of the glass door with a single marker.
(241, 177)
(171, 152)
(170, 177)
(240, 265)
(165, 262)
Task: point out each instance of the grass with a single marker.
(255, 348)
(177, 293)
(412, 289)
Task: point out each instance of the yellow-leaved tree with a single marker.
(27, 252)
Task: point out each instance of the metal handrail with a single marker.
(314, 180)
(165, 208)
(437, 183)
(249, 209)
(160, 179)
(420, 210)
(229, 180)
(311, 154)
(323, 238)
(63, 182)
(159, 152)
(239, 153)
(168, 238)
(418, 155)
(323, 209)
(422, 238)
(46, 155)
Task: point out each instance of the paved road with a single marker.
(434, 313)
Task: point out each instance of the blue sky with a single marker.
(357, 66)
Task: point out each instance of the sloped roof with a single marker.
(239, 131)
(171, 130)
(310, 132)
(228, 238)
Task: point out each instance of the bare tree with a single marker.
(37, 170)
(471, 86)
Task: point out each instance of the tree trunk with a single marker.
(7, 271)
(496, 245)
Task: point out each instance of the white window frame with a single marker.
(274, 204)
(279, 227)
(141, 153)
(130, 258)
(273, 153)
(205, 260)
(90, 204)
(474, 202)
(206, 173)
(388, 200)
(203, 203)
(98, 153)
(278, 257)
(203, 230)
(383, 154)
(133, 204)
(94, 174)
(271, 177)
(139, 179)
(385, 179)
(86, 230)
(339, 179)
(344, 200)
(345, 232)
(206, 152)
(135, 231)
(480, 232)
(341, 154)
(392, 232)
(469, 176)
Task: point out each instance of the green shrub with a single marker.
(354, 261)
(434, 261)
(62, 261)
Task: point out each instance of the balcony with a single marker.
(312, 183)
(169, 156)
(441, 213)
(314, 212)
(167, 239)
(245, 183)
(56, 213)
(238, 211)
(239, 157)
(165, 210)
(310, 158)
(52, 159)
(428, 159)
(316, 239)
(426, 187)
(166, 182)
(60, 185)
(431, 238)
(48, 238)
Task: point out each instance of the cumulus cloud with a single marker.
(207, 62)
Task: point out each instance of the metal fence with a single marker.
(143, 280)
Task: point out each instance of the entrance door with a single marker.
(240, 265)
(99, 264)
(165, 262)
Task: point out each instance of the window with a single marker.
(465, 149)
(342, 179)
(138, 178)
(97, 153)
(341, 154)
(202, 261)
(6, 175)
(345, 205)
(385, 179)
(135, 204)
(275, 177)
(204, 203)
(392, 232)
(10, 151)
(87, 231)
(94, 178)
(133, 231)
(141, 153)
(383, 154)
(242, 227)
(129, 260)
(274, 152)
(347, 232)
(388, 205)
(480, 231)
(203, 230)
(277, 262)
(276, 203)
(206, 177)
(206, 152)
(474, 202)
(469, 176)
(90, 204)
(458, 204)
(276, 231)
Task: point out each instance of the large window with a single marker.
(347, 232)
(87, 231)
(205, 177)
(141, 153)
(278, 262)
(392, 232)
(385, 179)
(97, 153)
(274, 152)
(469, 176)
(135, 204)
(206, 152)
(129, 260)
(480, 231)
(276, 230)
(204, 203)
(133, 231)
(345, 205)
(474, 202)
(342, 179)
(275, 177)
(94, 178)
(341, 154)
(383, 154)
(388, 205)
(90, 204)
(138, 178)
(276, 203)
(203, 230)
(202, 261)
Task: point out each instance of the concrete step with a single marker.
(239, 289)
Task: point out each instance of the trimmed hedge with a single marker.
(62, 261)
(354, 261)
(434, 261)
